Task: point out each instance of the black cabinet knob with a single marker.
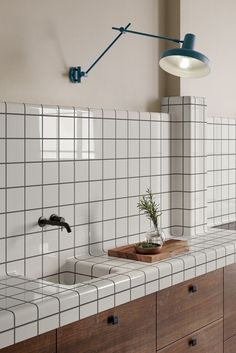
(113, 320)
(192, 289)
(192, 342)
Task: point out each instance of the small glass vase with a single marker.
(155, 235)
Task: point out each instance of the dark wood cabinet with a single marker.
(229, 301)
(230, 345)
(187, 317)
(186, 307)
(206, 340)
(45, 343)
(230, 309)
(130, 328)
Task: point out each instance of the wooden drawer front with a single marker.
(45, 343)
(229, 301)
(230, 345)
(134, 333)
(187, 307)
(206, 340)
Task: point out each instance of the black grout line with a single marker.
(127, 166)
(228, 162)
(42, 175)
(161, 167)
(139, 173)
(58, 152)
(120, 198)
(115, 178)
(25, 202)
(38, 139)
(235, 160)
(88, 111)
(74, 186)
(119, 158)
(100, 180)
(89, 186)
(183, 165)
(171, 170)
(151, 151)
(195, 168)
(205, 167)
(183, 104)
(6, 203)
(221, 169)
(102, 223)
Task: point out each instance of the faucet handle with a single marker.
(56, 218)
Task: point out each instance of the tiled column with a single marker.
(188, 164)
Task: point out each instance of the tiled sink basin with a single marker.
(79, 271)
(68, 278)
(228, 226)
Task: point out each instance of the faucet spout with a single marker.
(54, 220)
(66, 225)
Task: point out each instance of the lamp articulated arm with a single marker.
(199, 62)
(125, 30)
(75, 73)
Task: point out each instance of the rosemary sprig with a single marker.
(149, 207)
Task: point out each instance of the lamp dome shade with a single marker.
(185, 62)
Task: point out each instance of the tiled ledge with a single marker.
(30, 307)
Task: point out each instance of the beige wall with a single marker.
(213, 21)
(39, 40)
(172, 83)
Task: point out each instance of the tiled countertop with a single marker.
(31, 307)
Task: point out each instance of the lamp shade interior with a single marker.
(185, 63)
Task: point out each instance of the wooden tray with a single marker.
(171, 248)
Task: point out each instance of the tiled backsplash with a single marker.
(90, 166)
(221, 164)
(87, 165)
(188, 164)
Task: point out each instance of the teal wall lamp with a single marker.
(182, 62)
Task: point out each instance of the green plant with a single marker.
(149, 207)
(146, 245)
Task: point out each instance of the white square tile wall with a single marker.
(89, 166)
(188, 164)
(221, 165)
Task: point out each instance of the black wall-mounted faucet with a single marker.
(54, 220)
